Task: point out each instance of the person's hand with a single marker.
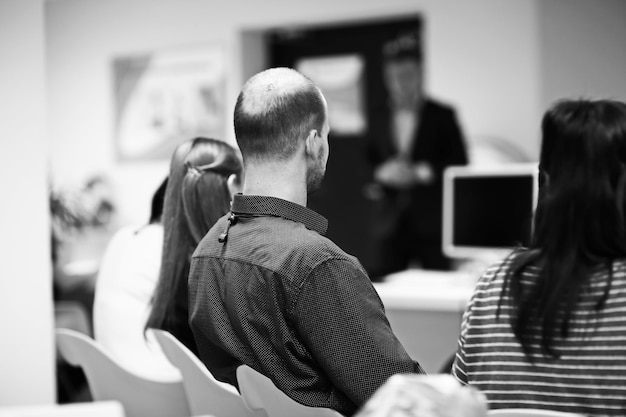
(423, 173)
(401, 174)
(395, 173)
(411, 395)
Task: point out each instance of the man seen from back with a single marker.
(266, 288)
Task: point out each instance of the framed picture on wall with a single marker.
(163, 98)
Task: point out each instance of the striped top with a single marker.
(588, 378)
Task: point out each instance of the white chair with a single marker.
(107, 380)
(205, 394)
(529, 412)
(260, 393)
(88, 409)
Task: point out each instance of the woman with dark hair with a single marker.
(204, 173)
(546, 327)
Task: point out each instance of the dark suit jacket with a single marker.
(438, 140)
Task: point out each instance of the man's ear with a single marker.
(234, 184)
(311, 146)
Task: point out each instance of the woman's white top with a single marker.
(127, 277)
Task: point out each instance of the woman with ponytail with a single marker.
(204, 173)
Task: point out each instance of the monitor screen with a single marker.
(487, 211)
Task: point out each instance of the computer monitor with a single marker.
(487, 211)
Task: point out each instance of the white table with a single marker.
(425, 309)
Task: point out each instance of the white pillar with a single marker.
(26, 314)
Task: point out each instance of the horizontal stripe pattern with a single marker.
(588, 378)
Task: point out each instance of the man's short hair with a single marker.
(275, 111)
(404, 46)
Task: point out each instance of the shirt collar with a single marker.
(272, 206)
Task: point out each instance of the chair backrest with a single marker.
(529, 412)
(205, 394)
(87, 409)
(260, 393)
(109, 381)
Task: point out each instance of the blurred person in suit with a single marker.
(204, 174)
(545, 327)
(414, 139)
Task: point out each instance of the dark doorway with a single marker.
(335, 53)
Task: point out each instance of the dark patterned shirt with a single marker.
(587, 378)
(267, 289)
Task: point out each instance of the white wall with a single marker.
(471, 64)
(26, 344)
(583, 51)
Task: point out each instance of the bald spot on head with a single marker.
(267, 88)
(275, 112)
